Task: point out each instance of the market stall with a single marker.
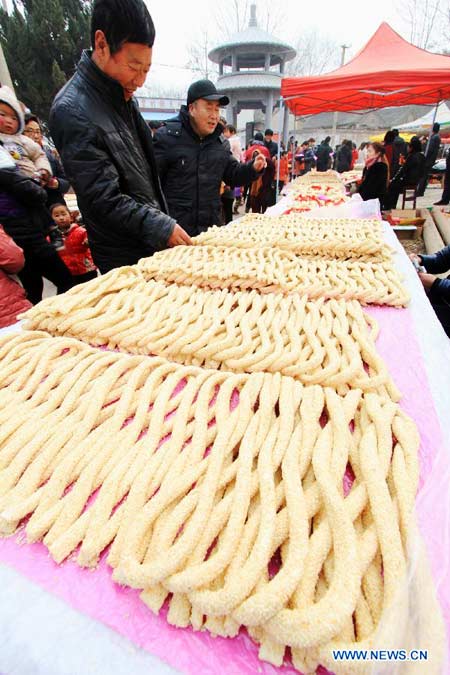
(238, 288)
(388, 71)
(425, 122)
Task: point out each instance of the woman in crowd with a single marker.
(354, 156)
(57, 187)
(344, 157)
(388, 143)
(375, 177)
(23, 217)
(230, 133)
(409, 173)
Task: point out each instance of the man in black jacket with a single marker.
(194, 158)
(431, 154)
(105, 144)
(438, 290)
(270, 143)
(324, 155)
(344, 157)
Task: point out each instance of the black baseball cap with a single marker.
(207, 90)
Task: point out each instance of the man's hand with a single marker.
(53, 183)
(415, 258)
(427, 280)
(179, 237)
(44, 176)
(259, 163)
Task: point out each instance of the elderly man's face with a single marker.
(129, 66)
(204, 116)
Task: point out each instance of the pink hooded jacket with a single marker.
(13, 299)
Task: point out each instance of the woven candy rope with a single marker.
(331, 238)
(274, 270)
(197, 478)
(330, 343)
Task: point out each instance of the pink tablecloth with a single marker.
(93, 592)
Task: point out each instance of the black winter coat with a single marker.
(22, 209)
(324, 153)
(343, 159)
(399, 147)
(374, 182)
(192, 169)
(412, 170)
(272, 148)
(107, 154)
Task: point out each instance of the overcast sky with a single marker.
(351, 22)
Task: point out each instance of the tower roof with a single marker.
(254, 38)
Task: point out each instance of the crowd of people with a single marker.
(145, 187)
(388, 167)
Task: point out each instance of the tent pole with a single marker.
(280, 124)
(336, 113)
(334, 128)
(432, 125)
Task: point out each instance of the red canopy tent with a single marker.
(388, 71)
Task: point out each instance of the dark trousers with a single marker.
(393, 193)
(446, 193)
(423, 182)
(43, 262)
(271, 195)
(442, 311)
(227, 205)
(258, 203)
(81, 278)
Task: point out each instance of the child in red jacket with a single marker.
(75, 254)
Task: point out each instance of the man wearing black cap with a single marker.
(194, 159)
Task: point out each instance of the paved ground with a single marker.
(433, 194)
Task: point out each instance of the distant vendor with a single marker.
(438, 290)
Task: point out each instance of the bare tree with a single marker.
(158, 90)
(231, 17)
(427, 20)
(316, 54)
(234, 16)
(198, 60)
(446, 27)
